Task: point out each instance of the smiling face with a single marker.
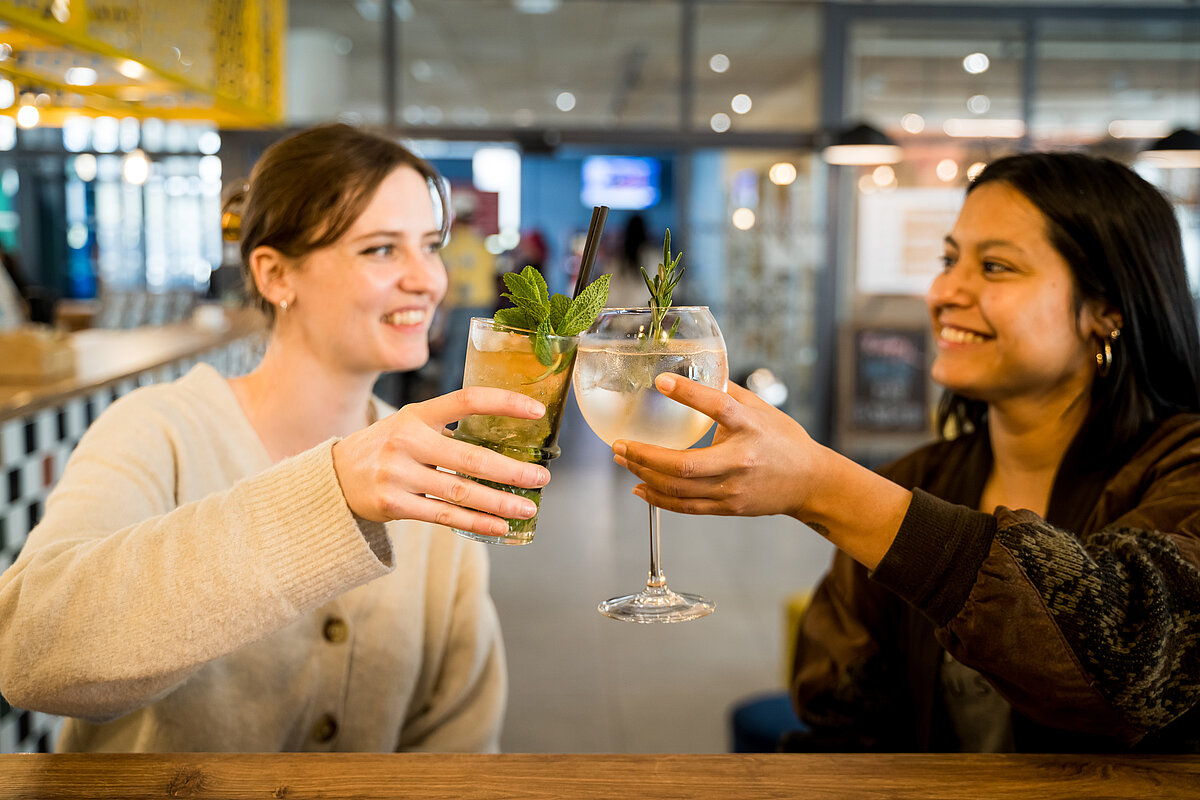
(364, 304)
(1003, 308)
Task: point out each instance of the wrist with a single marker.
(858, 510)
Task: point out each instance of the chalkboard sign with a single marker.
(890, 380)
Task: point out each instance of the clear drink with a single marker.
(620, 355)
(503, 358)
(614, 385)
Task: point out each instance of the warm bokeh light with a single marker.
(782, 173)
(135, 168)
(947, 169)
(912, 123)
(743, 219)
(741, 103)
(719, 62)
(979, 104)
(720, 122)
(85, 167)
(884, 175)
(976, 63)
(28, 116)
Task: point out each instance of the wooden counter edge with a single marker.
(368, 776)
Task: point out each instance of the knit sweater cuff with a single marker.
(312, 544)
(936, 556)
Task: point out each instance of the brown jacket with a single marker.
(1087, 621)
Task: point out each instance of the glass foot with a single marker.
(657, 605)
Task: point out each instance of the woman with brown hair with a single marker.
(262, 563)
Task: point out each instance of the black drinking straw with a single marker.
(590, 246)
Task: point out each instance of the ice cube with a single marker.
(487, 340)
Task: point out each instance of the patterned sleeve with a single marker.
(1099, 634)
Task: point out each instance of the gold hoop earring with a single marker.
(1104, 359)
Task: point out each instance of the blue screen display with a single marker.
(621, 181)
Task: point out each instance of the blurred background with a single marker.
(808, 158)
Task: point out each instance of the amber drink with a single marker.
(504, 357)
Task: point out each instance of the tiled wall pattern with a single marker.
(33, 452)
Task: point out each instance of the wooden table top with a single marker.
(582, 777)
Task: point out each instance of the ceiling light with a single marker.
(1138, 128)
(28, 116)
(947, 170)
(862, 145)
(85, 167)
(81, 76)
(741, 103)
(782, 174)
(743, 219)
(131, 69)
(979, 104)
(536, 6)
(976, 63)
(913, 123)
(1178, 150)
(136, 168)
(565, 101)
(984, 128)
(719, 62)
(720, 122)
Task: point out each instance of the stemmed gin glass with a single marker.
(618, 359)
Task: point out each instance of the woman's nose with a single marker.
(950, 286)
(424, 273)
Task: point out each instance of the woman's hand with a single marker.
(756, 465)
(762, 462)
(390, 470)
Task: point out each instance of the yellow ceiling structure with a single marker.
(213, 60)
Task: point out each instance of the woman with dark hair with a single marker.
(260, 563)
(1031, 581)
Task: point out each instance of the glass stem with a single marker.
(657, 580)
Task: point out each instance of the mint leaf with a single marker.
(535, 310)
(559, 304)
(528, 290)
(541, 343)
(517, 318)
(584, 308)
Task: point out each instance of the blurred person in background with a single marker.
(261, 563)
(1030, 582)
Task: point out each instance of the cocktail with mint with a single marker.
(529, 348)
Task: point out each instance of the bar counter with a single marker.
(104, 357)
(580, 777)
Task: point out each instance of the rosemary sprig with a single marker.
(661, 287)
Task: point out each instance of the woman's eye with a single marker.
(994, 267)
(947, 261)
(381, 250)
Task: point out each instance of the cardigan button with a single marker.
(336, 630)
(325, 729)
